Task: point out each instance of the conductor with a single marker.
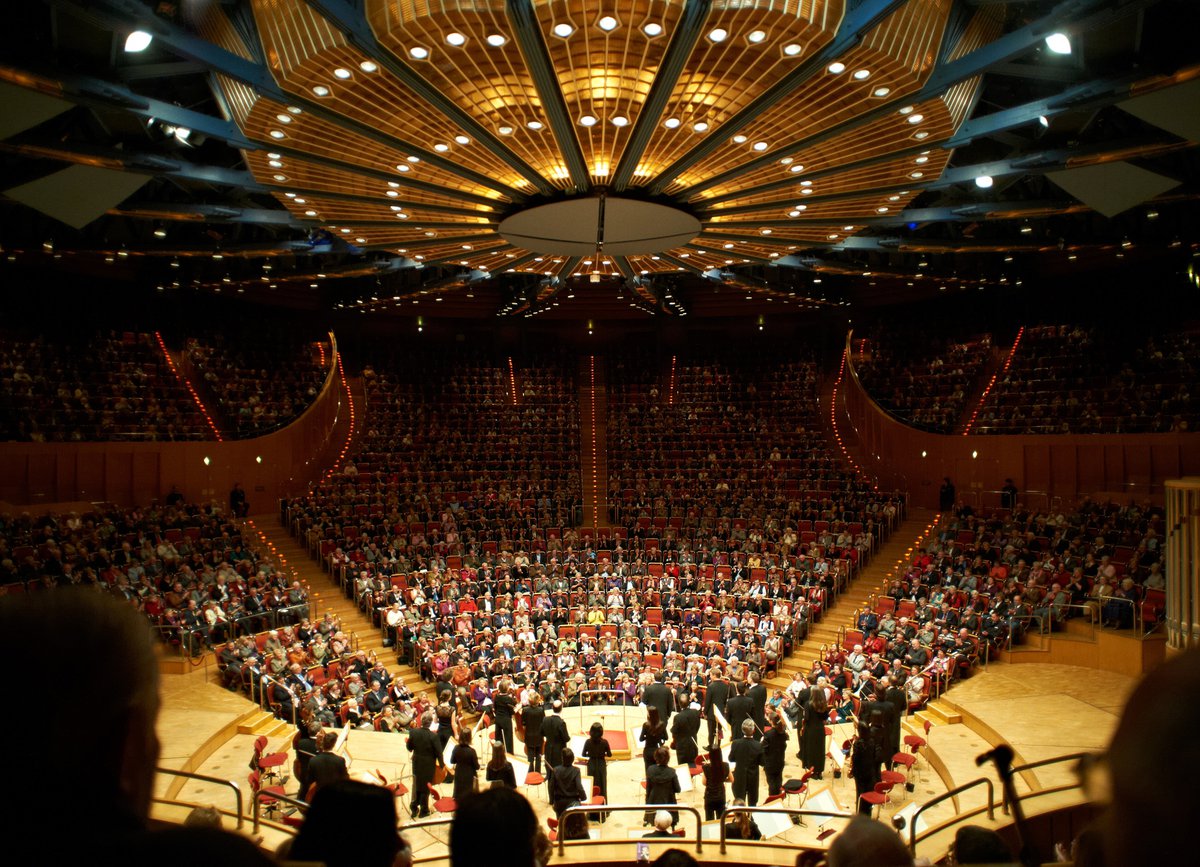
(426, 748)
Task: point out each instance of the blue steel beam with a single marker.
(533, 48)
(683, 41)
(1062, 17)
(124, 14)
(855, 24)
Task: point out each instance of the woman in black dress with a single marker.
(500, 769)
(597, 751)
(532, 716)
(865, 760)
(653, 735)
(661, 784)
(716, 773)
(812, 741)
(466, 765)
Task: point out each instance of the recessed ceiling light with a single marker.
(916, 118)
(419, 52)
(764, 231)
(275, 164)
(756, 36)
(796, 168)
(792, 49)
(402, 216)
(535, 124)
(700, 126)
(739, 139)
(563, 30)
(917, 175)
(504, 129)
(456, 39)
(805, 183)
(921, 136)
(833, 237)
(906, 109)
(862, 74)
(342, 73)
(321, 90)
(760, 145)
(280, 178)
(137, 41)
(1043, 120)
(496, 40)
(786, 161)
(1059, 43)
(295, 109)
(837, 67)
(984, 182)
(587, 120)
(671, 122)
(883, 209)
(607, 23)
(368, 66)
(807, 191)
(795, 212)
(652, 29)
(881, 91)
(921, 160)
(718, 34)
(620, 120)
(462, 139)
(276, 134)
(392, 193)
(441, 147)
(283, 118)
(403, 167)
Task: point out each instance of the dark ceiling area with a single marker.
(356, 156)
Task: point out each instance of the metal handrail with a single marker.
(263, 794)
(791, 811)
(627, 808)
(204, 778)
(953, 793)
(1041, 763)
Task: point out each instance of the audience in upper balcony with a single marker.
(260, 380)
(920, 377)
(92, 386)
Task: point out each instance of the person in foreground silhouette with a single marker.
(84, 796)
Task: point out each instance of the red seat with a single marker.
(440, 804)
(879, 797)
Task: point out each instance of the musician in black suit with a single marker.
(715, 697)
(658, 694)
(554, 732)
(757, 693)
(685, 727)
(533, 715)
(426, 748)
(739, 708)
(747, 755)
(503, 706)
(326, 766)
(565, 783)
(775, 745)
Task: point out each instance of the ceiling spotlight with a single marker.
(1044, 121)
(138, 40)
(881, 91)
(718, 34)
(700, 126)
(607, 24)
(368, 66)
(760, 145)
(984, 182)
(1026, 229)
(321, 90)
(671, 122)
(862, 74)
(652, 29)
(504, 129)
(462, 139)
(496, 40)
(756, 36)
(792, 49)
(419, 52)
(563, 30)
(1059, 43)
(276, 134)
(456, 39)
(534, 124)
(739, 139)
(160, 232)
(587, 120)
(837, 67)
(620, 120)
(342, 73)
(441, 148)
(916, 118)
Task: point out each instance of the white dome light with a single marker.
(984, 182)
(368, 66)
(718, 34)
(607, 23)
(862, 74)
(671, 122)
(462, 139)
(587, 120)
(620, 120)
(535, 124)
(653, 29)
(881, 91)
(739, 139)
(563, 30)
(1059, 43)
(441, 148)
(837, 67)
(342, 73)
(756, 36)
(916, 118)
(792, 49)
(760, 145)
(138, 40)
(496, 40)
(700, 126)
(321, 90)
(419, 52)
(456, 39)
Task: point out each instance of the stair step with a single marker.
(939, 714)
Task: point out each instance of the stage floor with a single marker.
(1041, 710)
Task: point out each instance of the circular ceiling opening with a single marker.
(573, 228)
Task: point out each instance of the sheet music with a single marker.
(772, 823)
(722, 724)
(685, 778)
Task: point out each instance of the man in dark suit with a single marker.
(426, 748)
(738, 709)
(326, 767)
(747, 756)
(658, 694)
(565, 783)
(715, 697)
(503, 708)
(685, 727)
(894, 696)
(554, 731)
(757, 693)
(306, 751)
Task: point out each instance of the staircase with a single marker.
(872, 579)
(593, 458)
(326, 595)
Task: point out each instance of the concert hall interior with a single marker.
(595, 430)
